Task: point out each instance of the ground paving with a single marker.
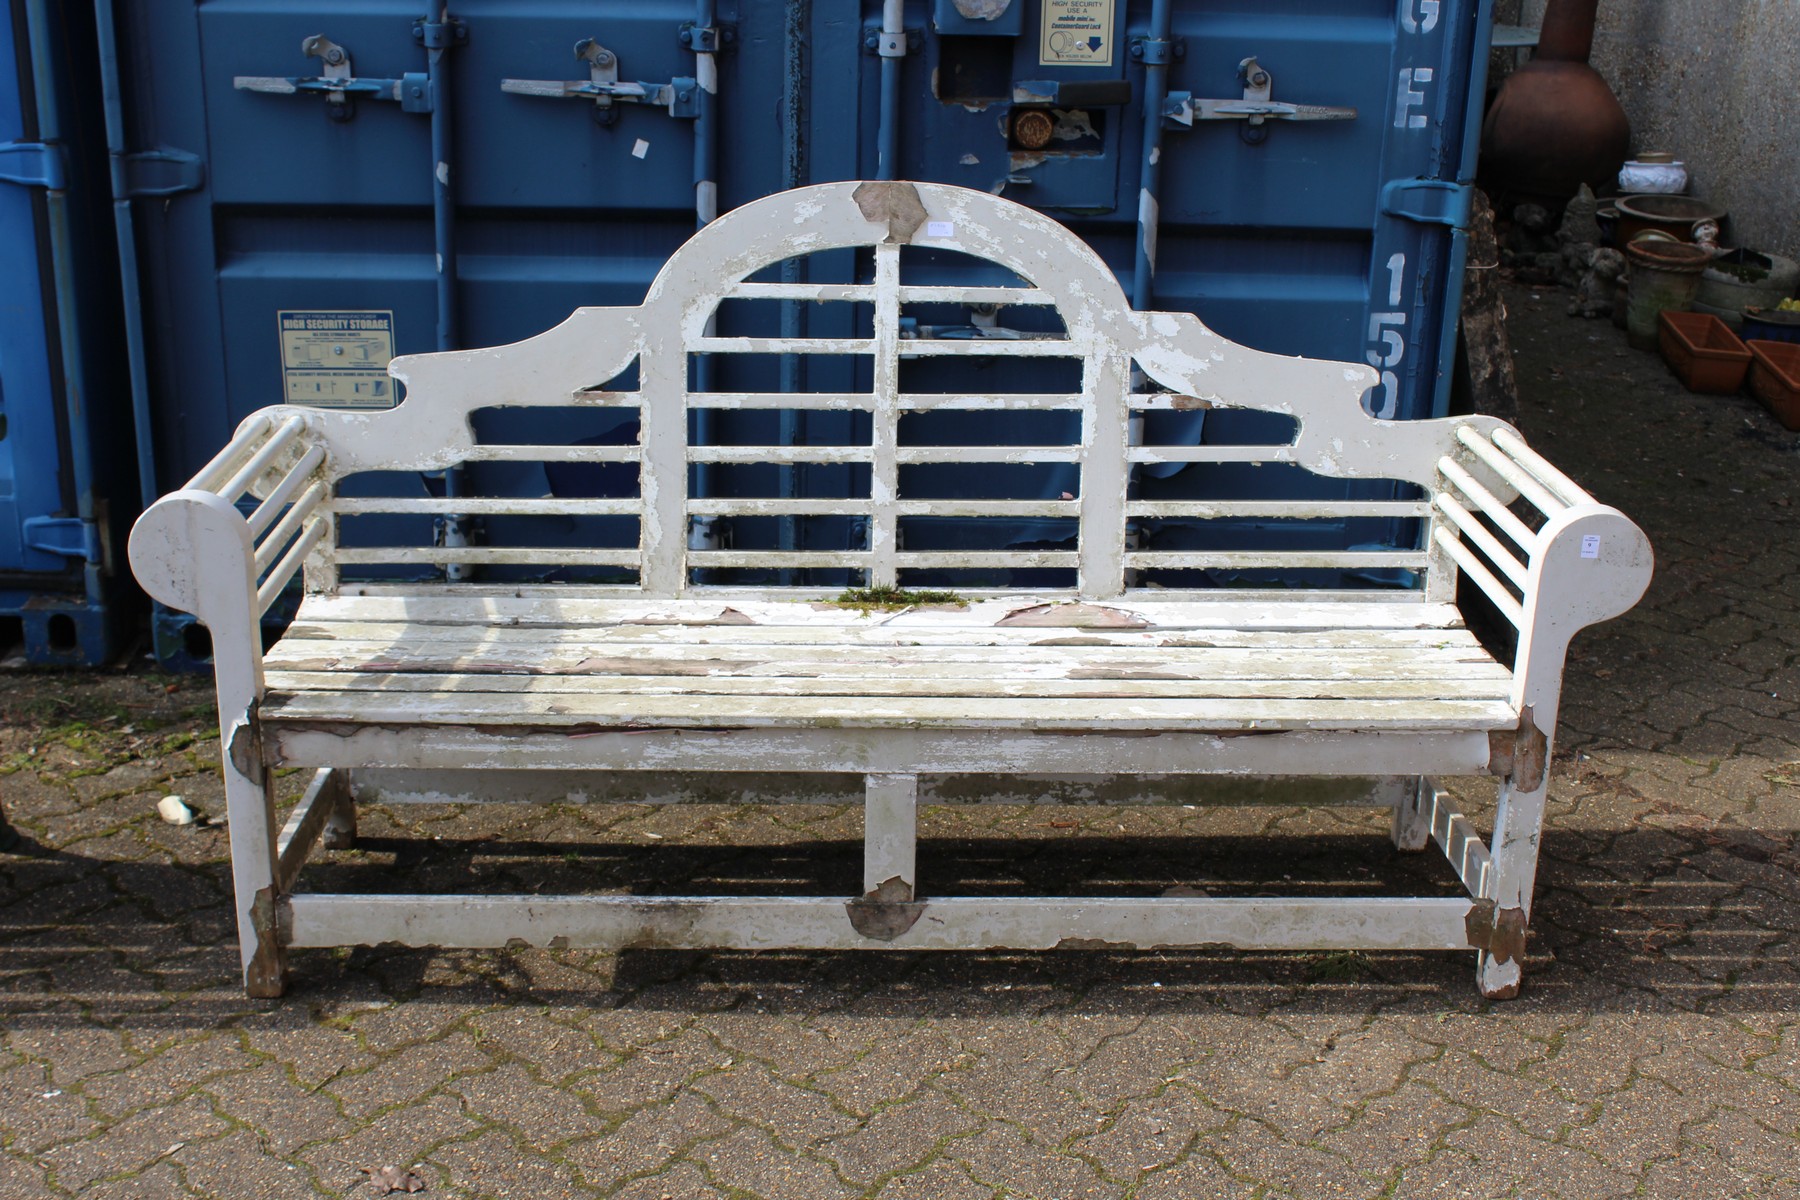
(1655, 1051)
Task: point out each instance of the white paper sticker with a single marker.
(1076, 33)
(337, 359)
(1590, 546)
(640, 149)
(944, 229)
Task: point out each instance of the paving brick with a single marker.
(939, 1181)
(400, 1136)
(540, 1115)
(900, 1137)
(799, 1118)
(1150, 1133)
(646, 1143)
(238, 1166)
(405, 1075)
(749, 1161)
(133, 1144)
(37, 1113)
(684, 1181)
(494, 1165)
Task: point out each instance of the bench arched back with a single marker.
(1189, 364)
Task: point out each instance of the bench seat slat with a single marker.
(890, 635)
(420, 603)
(580, 712)
(828, 657)
(888, 685)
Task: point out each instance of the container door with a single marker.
(33, 460)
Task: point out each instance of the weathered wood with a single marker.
(954, 923)
(517, 786)
(323, 797)
(576, 710)
(671, 689)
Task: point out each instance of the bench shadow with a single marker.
(1626, 920)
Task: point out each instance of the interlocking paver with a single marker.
(901, 1138)
(399, 1136)
(1150, 1133)
(1656, 1050)
(375, 1084)
(1002, 1156)
(133, 1145)
(645, 1144)
(749, 1160)
(240, 1164)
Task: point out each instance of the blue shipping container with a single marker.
(1295, 173)
(66, 486)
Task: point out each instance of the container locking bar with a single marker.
(339, 83)
(680, 96)
(1254, 108)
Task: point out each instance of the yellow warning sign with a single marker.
(337, 359)
(1076, 33)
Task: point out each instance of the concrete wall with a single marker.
(1717, 83)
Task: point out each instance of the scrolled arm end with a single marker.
(192, 551)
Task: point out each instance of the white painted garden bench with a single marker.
(675, 686)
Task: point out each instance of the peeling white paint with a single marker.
(195, 550)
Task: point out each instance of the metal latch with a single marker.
(339, 82)
(680, 96)
(33, 164)
(1432, 201)
(70, 537)
(1254, 108)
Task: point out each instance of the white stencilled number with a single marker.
(1425, 22)
(1387, 340)
(1411, 97)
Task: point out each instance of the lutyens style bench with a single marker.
(608, 640)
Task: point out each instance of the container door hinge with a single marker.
(681, 96)
(70, 537)
(1430, 201)
(707, 39)
(164, 171)
(33, 164)
(440, 35)
(1157, 52)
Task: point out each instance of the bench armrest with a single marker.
(225, 545)
(1584, 563)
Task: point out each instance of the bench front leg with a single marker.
(193, 551)
(1592, 564)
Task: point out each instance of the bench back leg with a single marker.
(1412, 815)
